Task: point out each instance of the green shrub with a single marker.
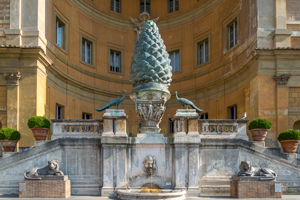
(9, 134)
(38, 122)
(289, 135)
(260, 123)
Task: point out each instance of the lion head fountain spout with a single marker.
(150, 75)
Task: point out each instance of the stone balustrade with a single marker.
(235, 128)
(76, 128)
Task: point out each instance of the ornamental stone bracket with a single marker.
(12, 77)
(282, 79)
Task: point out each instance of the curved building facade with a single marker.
(64, 58)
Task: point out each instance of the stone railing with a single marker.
(233, 128)
(92, 128)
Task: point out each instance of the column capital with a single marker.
(12, 77)
(282, 79)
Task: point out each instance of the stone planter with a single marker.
(259, 134)
(289, 146)
(9, 145)
(40, 133)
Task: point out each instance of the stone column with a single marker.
(12, 99)
(14, 33)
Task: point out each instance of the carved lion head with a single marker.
(53, 164)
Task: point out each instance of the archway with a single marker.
(296, 125)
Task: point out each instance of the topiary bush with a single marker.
(38, 122)
(260, 123)
(9, 134)
(289, 135)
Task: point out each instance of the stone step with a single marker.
(209, 190)
(214, 182)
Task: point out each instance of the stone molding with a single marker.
(12, 77)
(282, 79)
(126, 24)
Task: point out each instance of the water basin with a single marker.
(150, 193)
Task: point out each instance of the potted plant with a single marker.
(39, 126)
(289, 140)
(9, 138)
(259, 128)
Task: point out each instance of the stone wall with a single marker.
(294, 106)
(5, 10)
(79, 158)
(294, 97)
(293, 10)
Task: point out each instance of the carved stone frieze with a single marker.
(282, 79)
(150, 108)
(12, 77)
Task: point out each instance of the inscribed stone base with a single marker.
(44, 189)
(254, 189)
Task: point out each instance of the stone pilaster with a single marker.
(12, 99)
(180, 166)
(193, 187)
(114, 144)
(108, 170)
(121, 158)
(187, 151)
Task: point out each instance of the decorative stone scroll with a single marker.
(12, 77)
(282, 79)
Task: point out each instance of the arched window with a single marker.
(145, 6)
(296, 125)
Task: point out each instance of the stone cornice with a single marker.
(162, 24)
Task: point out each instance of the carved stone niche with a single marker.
(282, 79)
(150, 108)
(12, 77)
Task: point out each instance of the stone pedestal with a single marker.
(47, 187)
(114, 121)
(186, 120)
(255, 187)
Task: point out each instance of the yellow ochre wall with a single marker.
(231, 77)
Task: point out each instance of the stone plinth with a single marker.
(186, 120)
(255, 187)
(45, 188)
(114, 123)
